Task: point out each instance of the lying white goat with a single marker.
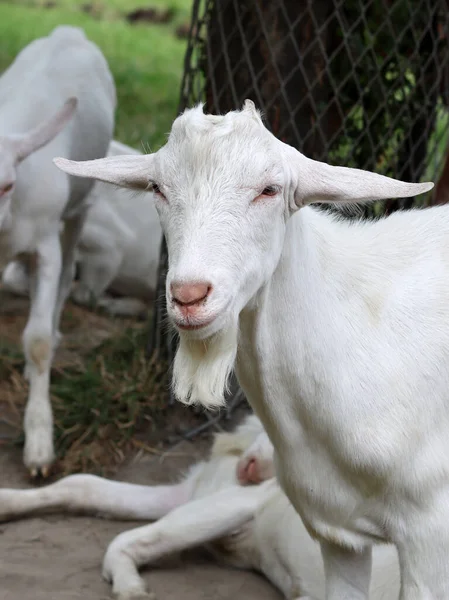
(118, 250)
(337, 330)
(35, 196)
(252, 527)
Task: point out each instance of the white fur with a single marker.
(33, 117)
(253, 527)
(257, 463)
(118, 250)
(342, 346)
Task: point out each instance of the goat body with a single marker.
(118, 250)
(251, 527)
(337, 331)
(35, 196)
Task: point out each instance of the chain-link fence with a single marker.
(361, 83)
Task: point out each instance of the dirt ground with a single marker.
(59, 558)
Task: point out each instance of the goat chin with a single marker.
(202, 368)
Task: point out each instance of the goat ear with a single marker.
(125, 171)
(27, 143)
(319, 182)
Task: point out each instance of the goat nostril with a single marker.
(189, 294)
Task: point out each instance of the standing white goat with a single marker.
(252, 527)
(118, 250)
(35, 196)
(337, 330)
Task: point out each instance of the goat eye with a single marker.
(7, 188)
(270, 190)
(153, 187)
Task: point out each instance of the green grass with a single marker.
(113, 9)
(145, 59)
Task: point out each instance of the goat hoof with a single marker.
(40, 472)
(38, 457)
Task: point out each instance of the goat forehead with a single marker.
(233, 161)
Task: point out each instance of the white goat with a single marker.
(337, 330)
(35, 196)
(252, 527)
(118, 250)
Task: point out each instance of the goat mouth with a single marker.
(199, 327)
(186, 326)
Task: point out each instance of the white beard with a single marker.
(201, 368)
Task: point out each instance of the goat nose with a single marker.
(188, 294)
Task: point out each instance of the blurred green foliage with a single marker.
(146, 59)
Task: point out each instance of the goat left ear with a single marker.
(125, 171)
(316, 181)
(26, 143)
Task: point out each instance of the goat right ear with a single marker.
(125, 171)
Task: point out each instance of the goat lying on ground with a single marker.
(35, 196)
(338, 331)
(252, 527)
(118, 250)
